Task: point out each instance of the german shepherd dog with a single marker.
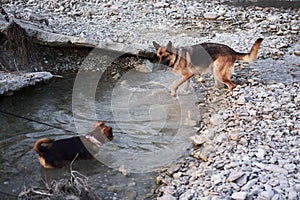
(200, 58)
(54, 153)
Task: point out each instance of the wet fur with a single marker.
(201, 58)
(54, 153)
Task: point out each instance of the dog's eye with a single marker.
(160, 53)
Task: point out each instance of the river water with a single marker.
(151, 129)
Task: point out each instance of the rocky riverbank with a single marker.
(247, 146)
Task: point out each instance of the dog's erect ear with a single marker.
(169, 46)
(98, 124)
(156, 45)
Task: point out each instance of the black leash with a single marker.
(32, 120)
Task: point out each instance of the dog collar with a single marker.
(93, 140)
(177, 59)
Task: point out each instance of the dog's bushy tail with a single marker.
(247, 57)
(37, 144)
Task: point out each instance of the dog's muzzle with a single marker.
(164, 61)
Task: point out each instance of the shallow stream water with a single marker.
(151, 129)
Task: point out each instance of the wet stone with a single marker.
(131, 195)
(173, 169)
(297, 53)
(198, 139)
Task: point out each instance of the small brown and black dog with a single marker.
(200, 58)
(54, 153)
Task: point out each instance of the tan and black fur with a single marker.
(200, 58)
(54, 153)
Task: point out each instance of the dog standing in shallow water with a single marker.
(200, 58)
(54, 153)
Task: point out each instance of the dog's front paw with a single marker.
(173, 94)
(186, 92)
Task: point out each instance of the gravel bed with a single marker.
(246, 148)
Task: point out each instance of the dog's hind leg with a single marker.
(229, 83)
(217, 76)
(218, 83)
(225, 78)
(222, 73)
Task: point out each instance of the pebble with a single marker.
(249, 184)
(160, 5)
(273, 27)
(123, 170)
(217, 178)
(239, 195)
(198, 139)
(211, 15)
(276, 169)
(292, 194)
(290, 167)
(234, 175)
(297, 53)
(216, 119)
(235, 136)
(187, 194)
(267, 195)
(260, 153)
